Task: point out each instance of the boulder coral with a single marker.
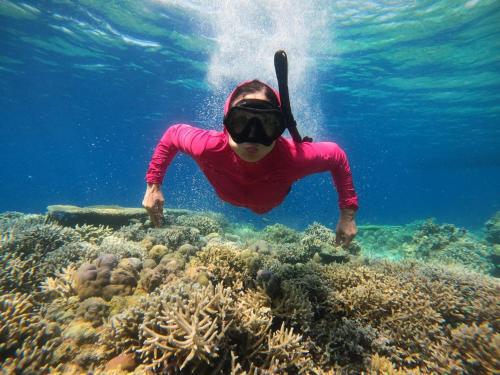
(107, 277)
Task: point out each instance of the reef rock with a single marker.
(113, 216)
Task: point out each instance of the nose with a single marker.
(252, 132)
(253, 127)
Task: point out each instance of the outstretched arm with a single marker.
(348, 200)
(328, 156)
(183, 138)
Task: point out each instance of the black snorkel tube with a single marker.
(281, 68)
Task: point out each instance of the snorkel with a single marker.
(281, 68)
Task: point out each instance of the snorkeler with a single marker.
(249, 163)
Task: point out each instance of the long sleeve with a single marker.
(342, 177)
(328, 156)
(184, 138)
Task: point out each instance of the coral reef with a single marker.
(429, 241)
(206, 223)
(280, 234)
(193, 298)
(493, 229)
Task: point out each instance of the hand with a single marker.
(346, 227)
(153, 203)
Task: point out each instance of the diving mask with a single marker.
(255, 121)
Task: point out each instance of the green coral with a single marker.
(175, 236)
(280, 234)
(206, 223)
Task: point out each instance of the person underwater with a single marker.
(249, 163)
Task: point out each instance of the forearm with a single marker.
(347, 214)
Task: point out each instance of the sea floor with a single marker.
(99, 290)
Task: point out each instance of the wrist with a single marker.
(154, 187)
(347, 214)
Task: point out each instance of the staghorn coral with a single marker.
(63, 285)
(188, 332)
(26, 340)
(410, 305)
(254, 318)
(293, 306)
(120, 247)
(285, 352)
(175, 236)
(121, 331)
(280, 234)
(93, 234)
(39, 239)
(449, 245)
(471, 349)
(206, 223)
(225, 262)
(18, 274)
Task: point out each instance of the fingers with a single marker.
(338, 238)
(343, 239)
(347, 240)
(156, 214)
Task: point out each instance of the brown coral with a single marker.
(189, 331)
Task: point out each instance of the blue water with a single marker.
(410, 91)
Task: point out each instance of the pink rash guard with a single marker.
(259, 186)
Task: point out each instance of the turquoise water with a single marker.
(409, 89)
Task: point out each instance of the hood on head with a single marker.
(228, 99)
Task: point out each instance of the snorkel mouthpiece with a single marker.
(281, 68)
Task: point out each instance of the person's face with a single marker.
(249, 151)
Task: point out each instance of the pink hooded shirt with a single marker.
(259, 186)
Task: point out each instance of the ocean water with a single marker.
(410, 90)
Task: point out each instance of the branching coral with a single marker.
(26, 341)
(121, 331)
(293, 306)
(189, 332)
(63, 285)
(205, 223)
(408, 304)
(225, 262)
(40, 238)
(470, 349)
(285, 351)
(280, 234)
(254, 317)
(93, 234)
(175, 236)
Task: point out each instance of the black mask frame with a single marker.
(255, 121)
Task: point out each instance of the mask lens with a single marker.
(238, 122)
(271, 125)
